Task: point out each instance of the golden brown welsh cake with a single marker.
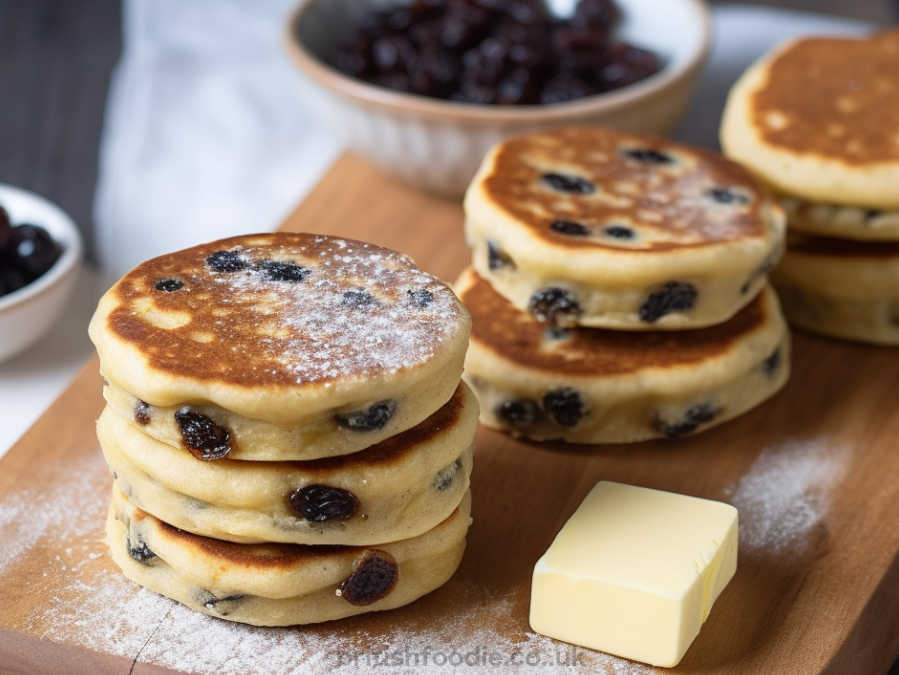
(279, 346)
(397, 489)
(818, 118)
(600, 228)
(276, 402)
(843, 288)
(281, 584)
(590, 385)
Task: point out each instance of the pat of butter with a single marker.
(634, 572)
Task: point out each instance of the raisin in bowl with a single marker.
(436, 139)
(30, 310)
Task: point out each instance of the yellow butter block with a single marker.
(634, 572)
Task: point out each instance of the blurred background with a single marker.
(157, 124)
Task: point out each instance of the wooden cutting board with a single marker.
(813, 472)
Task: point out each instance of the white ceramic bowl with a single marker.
(28, 313)
(437, 144)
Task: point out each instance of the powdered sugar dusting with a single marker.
(31, 515)
(361, 309)
(17, 532)
(784, 495)
(107, 613)
(117, 617)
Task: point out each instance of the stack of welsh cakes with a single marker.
(619, 288)
(286, 427)
(818, 119)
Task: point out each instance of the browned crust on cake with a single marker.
(593, 352)
(807, 244)
(263, 556)
(236, 352)
(271, 556)
(839, 98)
(669, 200)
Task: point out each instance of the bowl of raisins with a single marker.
(40, 254)
(423, 88)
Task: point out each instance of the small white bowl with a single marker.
(28, 313)
(437, 144)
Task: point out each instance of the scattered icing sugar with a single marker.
(30, 515)
(116, 616)
(330, 337)
(107, 613)
(784, 495)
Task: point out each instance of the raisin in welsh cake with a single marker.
(398, 488)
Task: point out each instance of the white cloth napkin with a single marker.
(206, 134)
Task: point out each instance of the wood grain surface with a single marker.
(813, 472)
